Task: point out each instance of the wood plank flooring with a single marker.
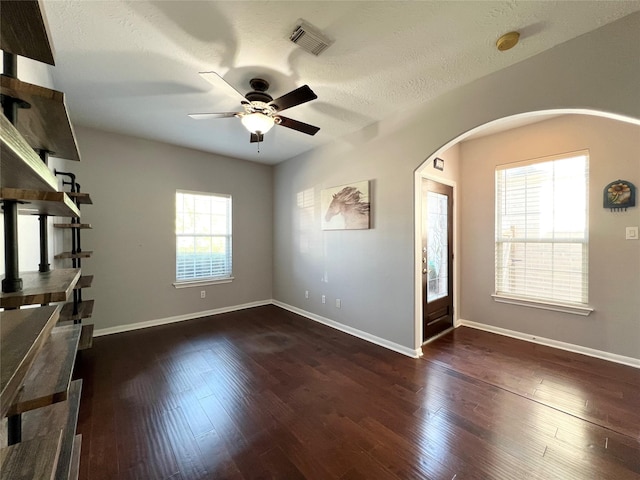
(263, 393)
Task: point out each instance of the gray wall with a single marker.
(132, 183)
(373, 271)
(614, 263)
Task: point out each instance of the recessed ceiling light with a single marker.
(507, 41)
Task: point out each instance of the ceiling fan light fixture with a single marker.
(257, 122)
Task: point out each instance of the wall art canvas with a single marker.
(346, 207)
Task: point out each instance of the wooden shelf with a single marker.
(46, 125)
(22, 335)
(53, 286)
(20, 166)
(72, 225)
(64, 255)
(24, 31)
(59, 416)
(32, 459)
(50, 375)
(85, 282)
(85, 310)
(74, 471)
(39, 202)
(86, 337)
(81, 198)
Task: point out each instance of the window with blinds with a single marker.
(542, 247)
(203, 236)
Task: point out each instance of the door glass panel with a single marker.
(437, 246)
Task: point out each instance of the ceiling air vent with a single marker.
(309, 38)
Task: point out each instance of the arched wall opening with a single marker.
(518, 123)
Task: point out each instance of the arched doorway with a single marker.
(451, 176)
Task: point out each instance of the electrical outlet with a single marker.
(203, 293)
(338, 303)
(324, 299)
(306, 294)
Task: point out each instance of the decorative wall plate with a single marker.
(619, 195)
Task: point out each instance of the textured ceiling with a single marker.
(132, 66)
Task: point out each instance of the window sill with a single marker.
(574, 309)
(202, 283)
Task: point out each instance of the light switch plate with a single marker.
(632, 233)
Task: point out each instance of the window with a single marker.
(203, 238)
(542, 248)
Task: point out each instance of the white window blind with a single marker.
(542, 249)
(203, 236)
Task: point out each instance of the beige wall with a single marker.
(614, 263)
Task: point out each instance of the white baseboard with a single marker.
(312, 316)
(591, 352)
(179, 318)
(396, 347)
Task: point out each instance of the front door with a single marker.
(437, 258)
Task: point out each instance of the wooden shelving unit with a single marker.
(81, 198)
(17, 462)
(25, 31)
(86, 337)
(50, 375)
(37, 355)
(39, 202)
(46, 124)
(85, 281)
(38, 288)
(71, 255)
(85, 310)
(61, 416)
(73, 225)
(74, 470)
(22, 334)
(21, 166)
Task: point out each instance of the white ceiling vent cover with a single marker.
(309, 38)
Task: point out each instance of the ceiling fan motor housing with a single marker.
(259, 93)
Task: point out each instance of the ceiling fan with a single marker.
(260, 111)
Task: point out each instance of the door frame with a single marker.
(427, 172)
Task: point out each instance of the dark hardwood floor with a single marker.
(263, 393)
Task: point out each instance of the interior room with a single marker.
(429, 268)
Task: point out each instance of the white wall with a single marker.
(614, 263)
(133, 183)
(373, 271)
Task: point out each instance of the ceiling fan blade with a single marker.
(295, 97)
(206, 116)
(299, 126)
(256, 137)
(221, 84)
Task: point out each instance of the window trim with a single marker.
(202, 283)
(573, 308)
(577, 308)
(199, 282)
